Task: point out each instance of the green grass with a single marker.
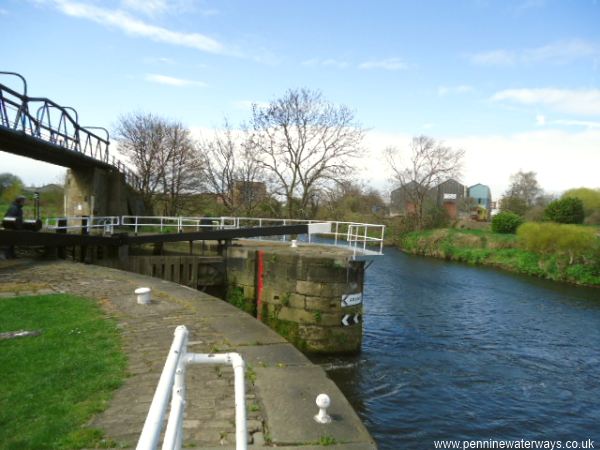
(481, 247)
(52, 384)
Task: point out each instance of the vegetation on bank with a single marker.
(547, 250)
(52, 384)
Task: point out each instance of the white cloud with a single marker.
(148, 7)
(577, 123)
(540, 120)
(460, 89)
(561, 159)
(560, 52)
(135, 27)
(582, 101)
(154, 8)
(385, 64)
(172, 81)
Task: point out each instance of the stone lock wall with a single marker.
(302, 295)
(112, 195)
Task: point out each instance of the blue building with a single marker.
(482, 195)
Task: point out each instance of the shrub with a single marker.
(506, 222)
(565, 210)
(551, 238)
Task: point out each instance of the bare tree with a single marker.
(231, 170)
(141, 138)
(180, 174)
(163, 155)
(430, 163)
(304, 143)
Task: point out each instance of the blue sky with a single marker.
(516, 84)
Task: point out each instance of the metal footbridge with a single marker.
(39, 128)
(362, 239)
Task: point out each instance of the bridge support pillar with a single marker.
(99, 192)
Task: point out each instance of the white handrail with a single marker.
(108, 223)
(364, 238)
(172, 381)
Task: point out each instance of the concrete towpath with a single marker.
(282, 383)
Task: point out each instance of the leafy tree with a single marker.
(565, 210)
(591, 203)
(430, 163)
(305, 144)
(589, 197)
(7, 180)
(350, 201)
(506, 222)
(11, 191)
(523, 193)
(515, 205)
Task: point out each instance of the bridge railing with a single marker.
(172, 385)
(106, 224)
(44, 119)
(360, 238)
(364, 238)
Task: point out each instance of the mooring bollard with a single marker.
(323, 403)
(143, 295)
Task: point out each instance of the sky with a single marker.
(516, 84)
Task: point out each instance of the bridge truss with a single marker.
(42, 129)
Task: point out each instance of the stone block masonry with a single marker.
(302, 293)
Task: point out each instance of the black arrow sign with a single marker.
(351, 319)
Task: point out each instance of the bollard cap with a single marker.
(323, 401)
(142, 290)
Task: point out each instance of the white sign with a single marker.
(449, 196)
(351, 299)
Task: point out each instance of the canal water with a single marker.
(457, 352)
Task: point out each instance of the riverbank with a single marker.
(503, 251)
(282, 383)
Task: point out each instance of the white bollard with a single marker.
(143, 295)
(294, 243)
(323, 403)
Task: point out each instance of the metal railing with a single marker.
(177, 223)
(44, 119)
(172, 385)
(105, 223)
(364, 238)
(360, 238)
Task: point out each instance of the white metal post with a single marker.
(153, 424)
(174, 432)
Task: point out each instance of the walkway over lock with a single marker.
(360, 238)
(39, 128)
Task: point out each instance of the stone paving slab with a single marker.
(286, 381)
(276, 355)
(292, 421)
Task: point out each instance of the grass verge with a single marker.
(52, 384)
(498, 250)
